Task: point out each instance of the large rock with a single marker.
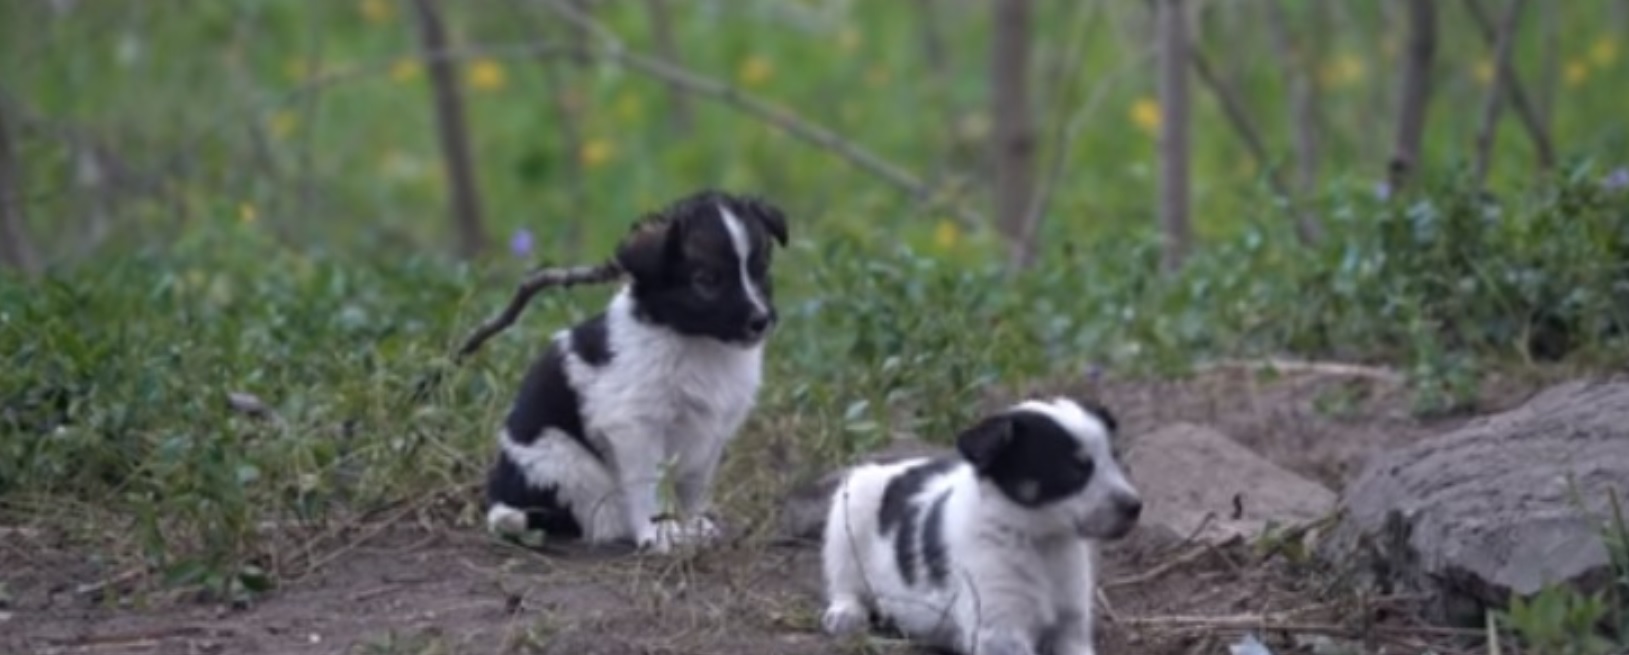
(1472, 515)
(1188, 472)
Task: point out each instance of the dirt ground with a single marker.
(417, 586)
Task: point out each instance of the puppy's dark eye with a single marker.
(1083, 466)
(704, 281)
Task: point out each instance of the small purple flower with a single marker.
(1382, 190)
(1094, 373)
(521, 242)
(1617, 180)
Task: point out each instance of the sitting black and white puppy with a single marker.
(989, 552)
(668, 371)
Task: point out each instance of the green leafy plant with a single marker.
(1561, 621)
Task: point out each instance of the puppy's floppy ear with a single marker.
(767, 215)
(1099, 410)
(648, 248)
(982, 444)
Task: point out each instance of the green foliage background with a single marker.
(278, 228)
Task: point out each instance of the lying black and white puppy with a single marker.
(668, 371)
(989, 552)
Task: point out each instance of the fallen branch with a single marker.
(1336, 369)
(1159, 571)
(1281, 622)
(538, 281)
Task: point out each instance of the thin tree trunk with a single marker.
(1174, 58)
(1505, 75)
(661, 24)
(1415, 94)
(933, 38)
(16, 250)
(1239, 116)
(458, 163)
(1303, 101)
(1014, 130)
(1496, 91)
(1549, 81)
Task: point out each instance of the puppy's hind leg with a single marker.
(846, 587)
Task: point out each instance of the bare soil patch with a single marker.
(421, 587)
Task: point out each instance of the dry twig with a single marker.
(538, 281)
(1159, 571)
(780, 117)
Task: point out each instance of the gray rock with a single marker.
(1472, 515)
(1189, 472)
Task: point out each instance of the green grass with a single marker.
(287, 240)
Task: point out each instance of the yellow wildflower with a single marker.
(877, 75)
(376, 11)
(404, 70)
(397, 165)
(1343, 70)
(300, 69)
(487, 74)
(595, 153)
(628, 107)
(1482, 72)
(282, 123)
(1603, 52)
(1576, 72)
(946, 234)
(848, 39)
(756, 70)
(1145, 114)
(246, 212)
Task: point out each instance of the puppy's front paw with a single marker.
(844, 618)
(656, 539)
(505, 521)
(1003, 642)
(699, 530)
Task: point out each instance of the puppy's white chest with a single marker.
(690, 391)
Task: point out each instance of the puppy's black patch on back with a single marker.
(934, 552)
(899, 515)
(547, 400)
(1042, 463)
(507, 484)
(591, 341)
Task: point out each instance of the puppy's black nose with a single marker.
(1131, 507)
(757, 324)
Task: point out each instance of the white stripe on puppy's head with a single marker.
(701, 266)
(1054, 460)
(741, 240)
